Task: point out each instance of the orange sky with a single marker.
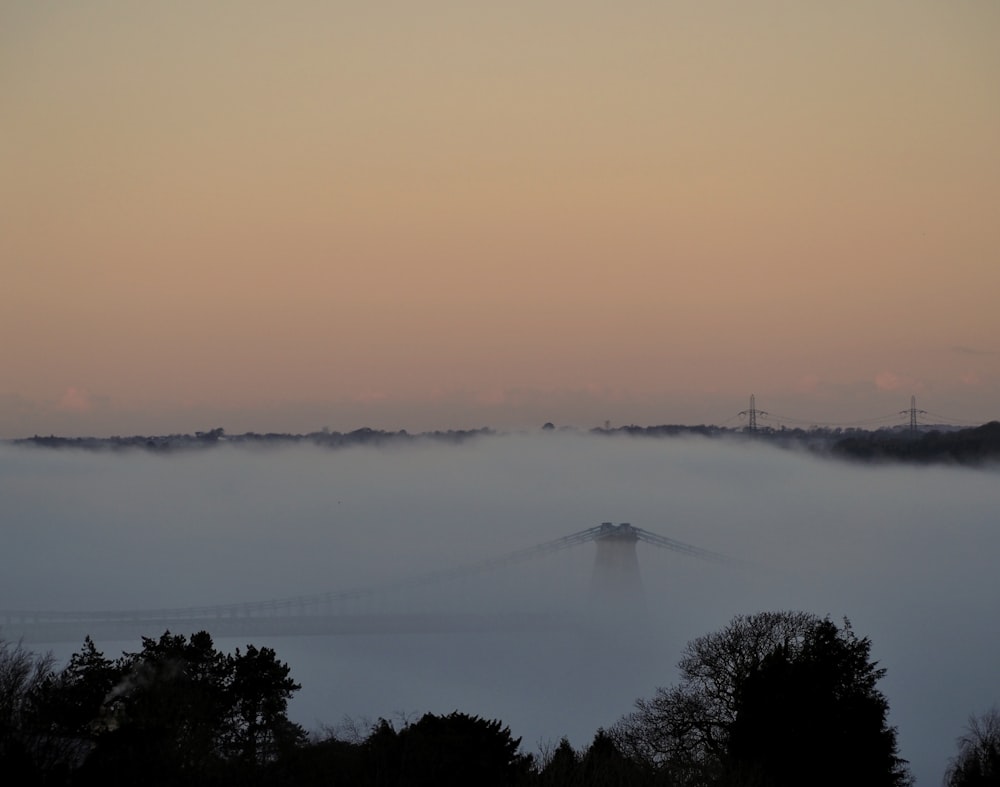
(271, 216)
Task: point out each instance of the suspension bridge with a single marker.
(615, 587)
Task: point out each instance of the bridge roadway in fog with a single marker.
(616, 580)
(49, 632)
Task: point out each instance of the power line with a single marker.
(949, 420)
(878, 419)
(913, 413)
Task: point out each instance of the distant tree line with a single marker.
(974, 446)
(777, 699)
(217, 436)
(965, 446)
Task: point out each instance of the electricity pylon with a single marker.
(751, 414)
(913, 413)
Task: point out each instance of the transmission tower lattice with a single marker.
(751, 414)
(913, 413)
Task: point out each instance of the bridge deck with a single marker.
(287, 626)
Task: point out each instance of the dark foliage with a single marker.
(456, 749)
(773, 699)
(810, 704)
(604, 765)
(966, 446)
(26, 747)
(562, 767)
(977, 763)
(176, 712)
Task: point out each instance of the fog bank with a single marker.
(908, 554)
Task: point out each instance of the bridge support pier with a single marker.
(616, 586)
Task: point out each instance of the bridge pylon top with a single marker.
(621, 532)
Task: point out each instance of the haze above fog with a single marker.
(908, 554)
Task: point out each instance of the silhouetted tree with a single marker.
(25, 746)
(181, 711)
(69, 704)
(325, 762)
(685, 728)
(438, 751)
(811, 714)
(604, 765)
(762, 677)
(561, 768)
(161, 721)
(977, 763)
(259, 687)
(76, 695)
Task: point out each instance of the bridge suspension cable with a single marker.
(298, 603)
(679, 546)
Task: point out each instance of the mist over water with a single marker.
(908, 554)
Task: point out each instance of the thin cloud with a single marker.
(975, 351)
(890, 381)
(75, 400)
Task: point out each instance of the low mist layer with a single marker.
(908, 554)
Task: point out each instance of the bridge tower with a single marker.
(616, 585)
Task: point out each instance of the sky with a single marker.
(279, 217)
(908, 554)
